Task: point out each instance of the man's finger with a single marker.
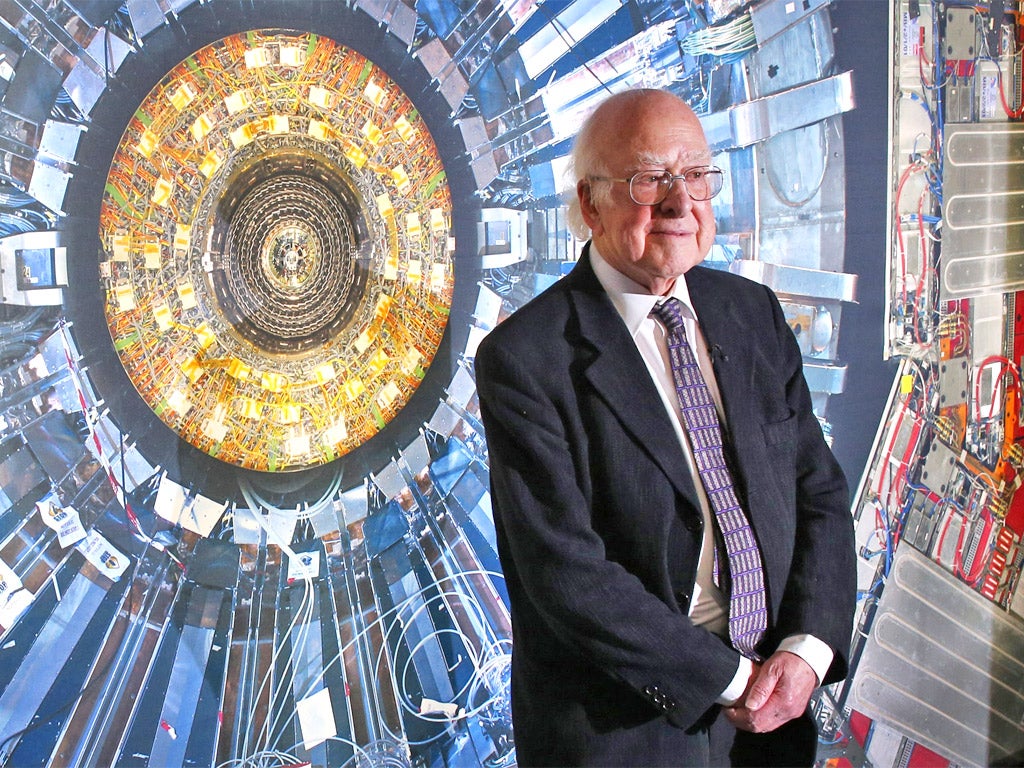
(762, 688)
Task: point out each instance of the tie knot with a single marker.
(670, 313)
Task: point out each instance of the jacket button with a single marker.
(693, 524)
(683, 597)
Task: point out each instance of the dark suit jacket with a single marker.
(599, 527)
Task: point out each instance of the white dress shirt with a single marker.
(709, 606)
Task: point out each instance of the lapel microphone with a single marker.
(717, 354)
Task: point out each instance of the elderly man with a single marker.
(674, 531)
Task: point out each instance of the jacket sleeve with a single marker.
(542, 495)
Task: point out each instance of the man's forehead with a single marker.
(683, 154)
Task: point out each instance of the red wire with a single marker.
(1008, 366)
(1014, 113)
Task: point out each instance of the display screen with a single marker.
(35, 268)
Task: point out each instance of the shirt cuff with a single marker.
(738, 685)
(815, 652)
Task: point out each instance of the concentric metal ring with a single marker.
(291, 249)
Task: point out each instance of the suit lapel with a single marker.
(633, 399)
(720, 317)
(725, 324)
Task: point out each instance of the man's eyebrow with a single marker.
(645, 158)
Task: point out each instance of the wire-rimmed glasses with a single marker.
(652, 187)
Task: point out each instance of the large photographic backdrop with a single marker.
(248, 249)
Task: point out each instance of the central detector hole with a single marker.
(290, 255)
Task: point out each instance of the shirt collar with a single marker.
(632, 301)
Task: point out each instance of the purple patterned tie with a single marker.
(748, 615)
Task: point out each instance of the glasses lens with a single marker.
(649, 187)
(703, 183)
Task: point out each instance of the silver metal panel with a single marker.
(308, 655)
(55, 644)
(60, 140)
(177, 6)
(433, 57)
(938, 467)
(245, 527)
(983, 216)
(495, 254)
(52, 350)
(137, 467)
(110, 49)
(49, 185)
(971, 276)
(776, 16)
(485, 169)
(438, 62)
(10, 293)
(183, 689)
(376, 9)
(961, 33)
(354, 504)
(445, 420)
(462, 388)
(474, 132)
(84, 87)
(454, 89)
(145, 15)
(403, 23)
(308, 668)
(811, 242)
(416, 454)
(327, 519)
(801, 54)
(763, 118)
(988, 321)
(420, 637)
(953, 382)
(574, 22)
(943, 665)
(390, 480)
(798, 281)
(488, 307)
(998, 204)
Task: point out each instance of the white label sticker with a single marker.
(110, 561)
(316, 718)
(64, 520)
(9, 582)
(989, 104)
(14, 599)
(910, 36)
(305, 565)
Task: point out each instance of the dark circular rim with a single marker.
(196, 27)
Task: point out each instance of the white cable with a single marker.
(734, 37)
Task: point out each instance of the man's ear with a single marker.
(591, 216)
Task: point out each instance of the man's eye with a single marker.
(696, 174)
(650, 178)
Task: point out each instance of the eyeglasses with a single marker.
(652, 187)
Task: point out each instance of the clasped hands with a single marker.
(778, 691)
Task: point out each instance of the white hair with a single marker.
(585, 162)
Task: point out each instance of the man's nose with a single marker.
(677, 202)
